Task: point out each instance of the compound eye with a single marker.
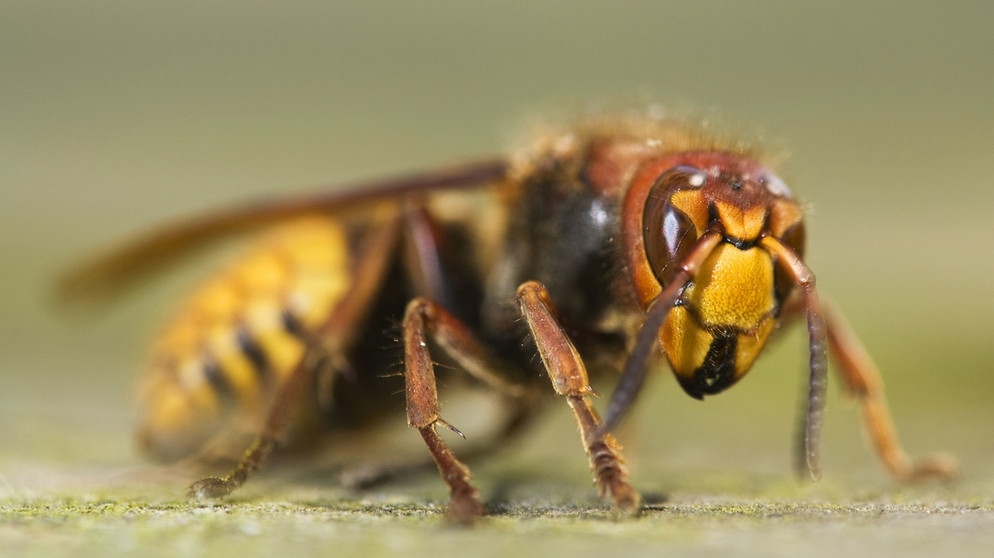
(669, 234)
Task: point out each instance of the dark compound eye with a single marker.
(669, 233)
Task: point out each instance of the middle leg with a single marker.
(424, 316)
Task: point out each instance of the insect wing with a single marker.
(107, 276)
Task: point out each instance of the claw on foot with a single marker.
(937, 466)
(611, 477)
(627, 501)
(464, 509)
(209, 488)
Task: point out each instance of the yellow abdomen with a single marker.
(215, 368)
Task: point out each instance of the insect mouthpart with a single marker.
(717, 373)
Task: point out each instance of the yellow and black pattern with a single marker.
(239, 335)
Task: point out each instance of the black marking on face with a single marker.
(717, 372)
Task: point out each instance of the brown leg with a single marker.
(516, 418)
(424, 315)
(290, 393)
(863, 381)
(569, 379)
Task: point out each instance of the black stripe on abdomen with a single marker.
(254, 353)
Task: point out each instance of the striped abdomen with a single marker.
(215, 368)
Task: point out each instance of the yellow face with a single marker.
(722, 321)
(723, 318)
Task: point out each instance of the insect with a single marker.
(608, 244)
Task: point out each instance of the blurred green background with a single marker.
(117, 115)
